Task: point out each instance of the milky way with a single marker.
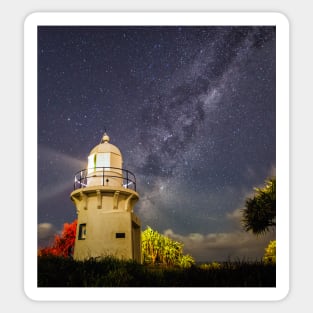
(192, 110)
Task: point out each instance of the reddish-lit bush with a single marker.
(63, 244)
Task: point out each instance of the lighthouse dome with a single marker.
(105, 164)
(105, 147)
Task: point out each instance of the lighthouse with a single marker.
(104, 195)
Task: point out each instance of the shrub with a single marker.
(210, 266)
(270, 253)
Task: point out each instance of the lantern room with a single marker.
(104, 168)
(105, 165)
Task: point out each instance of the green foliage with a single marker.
(159, 249)
(270, 253)
(211, 266)
(259, 214)
(186, 261)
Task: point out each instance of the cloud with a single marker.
(45, 230)
(235, 216)
(60, 159)
(46, 233)
(61, 173)
(223, 246)
(54, 190)
(272, 171)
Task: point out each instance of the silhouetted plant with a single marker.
(259, 214)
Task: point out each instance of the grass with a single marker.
(110, 272)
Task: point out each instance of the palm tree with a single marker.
(259, 214)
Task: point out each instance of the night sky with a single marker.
(192, 110)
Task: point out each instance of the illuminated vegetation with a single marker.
(270, 253)
(213, 265)
(161, 250)
(63, 244)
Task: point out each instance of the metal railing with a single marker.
(127, 178)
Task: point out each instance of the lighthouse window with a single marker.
(103, 160)
(91, 163)
(120, 235)
(82, 232)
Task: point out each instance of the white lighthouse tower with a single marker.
(104, 195)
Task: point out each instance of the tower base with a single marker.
(116, 235)
(106, 224)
